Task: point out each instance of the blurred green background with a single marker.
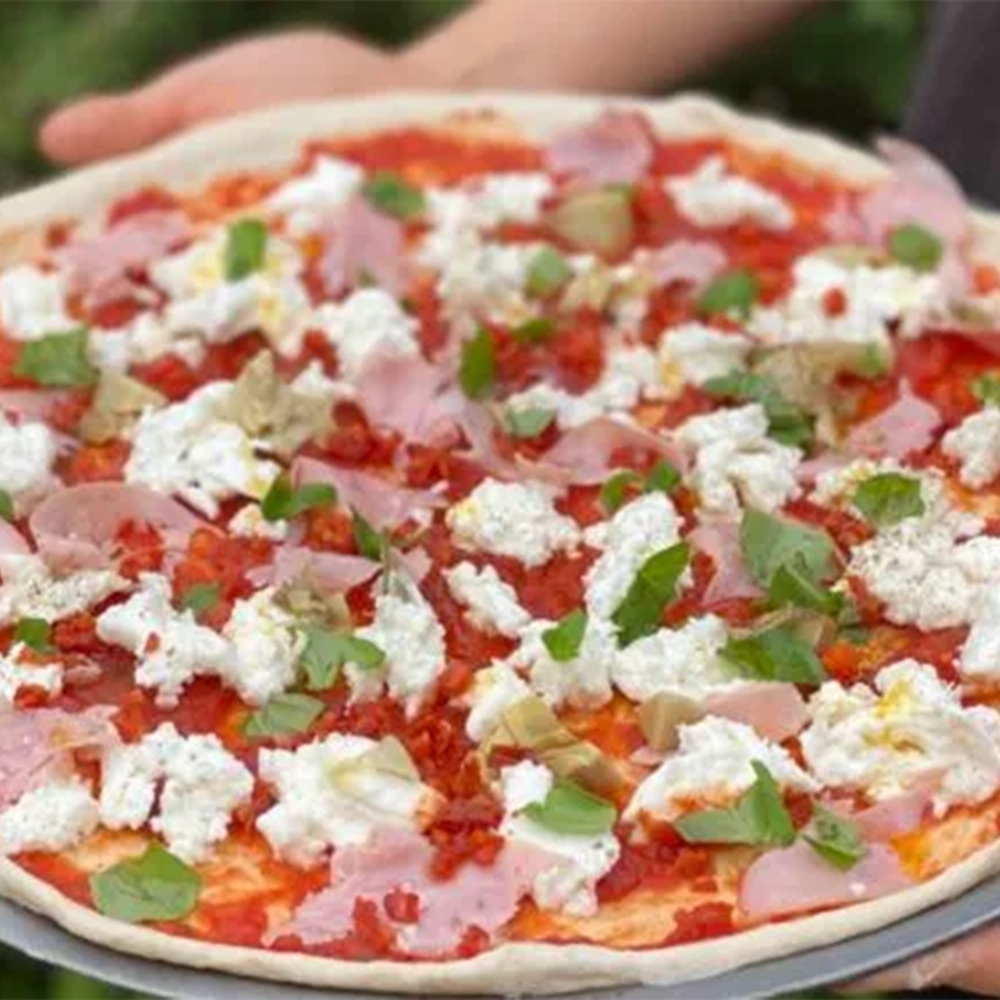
(53, 51)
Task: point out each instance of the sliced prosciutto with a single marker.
(12, 542)
(32, 404)
(908, 425)
(776, 711)
(382, 503)
(614, 149)
(794, 880)
(895, 816)
(730, 578)
(363, 245)
(327, 570)
(482, 896)
(689, 262)
(77, 528)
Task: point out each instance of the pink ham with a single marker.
(909, 425)
(721, 541)
(12, 542)
(477, 896)
(363, 245)
(33, 744)
(326, 570)
(776, 711)
(690, 262)
(811, 469)
(892, 817)
(382, 503)
(102, 267)
(77, 528)
(796, 879)
(614, 149)
(31, 404)
(416, 563)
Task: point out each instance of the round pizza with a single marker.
(500, 548)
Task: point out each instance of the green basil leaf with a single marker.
(283, 501)
(775, 655)
(547, 273)
(534, 331)
(986, 389)
(200, 597)
(787, 423)
(154, 886)
(732, 293)
(654, 587)
(35, 633)
(246, 249)
(769, 542)
(389, 193)
(835, 838)
(283, 715)
(563, 641)
(371, 544)
(7, 511)
(759, 817)
(793, 584)
(326, 652)
(888, 498)
(568, 808)
(612, 494)
(477, 369)
(528, 423)
(662, 478)
(916, 247)
(60, 359)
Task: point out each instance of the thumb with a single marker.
(109, 125)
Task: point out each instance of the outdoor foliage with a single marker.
(847, 68)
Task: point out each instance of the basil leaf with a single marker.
(389, 193)
(154, 886)
(283, 501)
(612, 494)
(371, 544)
(6, 506)
(759, 817)
(35, 633)
(787, 423)
(770, 542)
(246, 249)
(283, 715)
(547, 272)
(60, 359)
(835, 838)
(654, 587)
(563, 641)
(734, 293)
(775, 655)
(534, 331)
(916, 247)
(792, 584)
(326, 652)
(477, 369)
(888, 498)
(662, 478)
(200, 597)
(528, 423)
(986, 389)
(568, 808)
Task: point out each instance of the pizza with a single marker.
(512, 550)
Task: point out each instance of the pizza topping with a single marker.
(731, 577)
(307, 201)
(18, 672)
(906, 426)
(689, 262)
(57, 359)
(492, 604)
(27, 451)
(365, 247)
(32, 303)
(774, 710)
(597, 222)
(30, 591)
(613, 149)
(154, 886)
(975, 444)
(888, 497)
(282, 501)
(494, 690)
(54, 816)
(695, 353)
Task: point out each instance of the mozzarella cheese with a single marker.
(54, 816)
(182, 649)
(30, 591)
(249, 522)
(735, 461)
(148, 338)
(15, 675)
(27, 451)
(492, 604)
(494, 690)
(913, 731)
(975, 444)
(979, 658)
(694, 353)
(712, 767)
(329, 795)
(714, 199)
(33, 303)
(518, 520)
(309, 200)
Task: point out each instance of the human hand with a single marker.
(299, 65)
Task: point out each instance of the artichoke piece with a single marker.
(310, 604)
(661, 716)
(118, 402)
(388, 756)
(851, 255)
(598, 222)
(813, 627)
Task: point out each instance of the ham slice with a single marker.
(327, 570)
(892, 817)
(721, 541)
(796, 879)
(12, 542)
(908, 425)
(690, 262)
(363, 245)
(31, 404)
(77, 528)
(775, 711)
(614, 149)
(416, 563)
(476, 896)
(33, 744)
(102, 267)
(380, 502)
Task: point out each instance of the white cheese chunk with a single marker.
(914, 731)
(15, 675)
(30, 591)
(694, 353)
(494, 690)
(54, 816)
(249, 522)
(148, 338)
(975, 444)
(492, 604)
(33, 303)
(979, 659)
(27, 451)
(518, 520)
(308, 201)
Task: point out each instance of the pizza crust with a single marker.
(270, 139)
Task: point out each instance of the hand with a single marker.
(301, 65)
(971, 963)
